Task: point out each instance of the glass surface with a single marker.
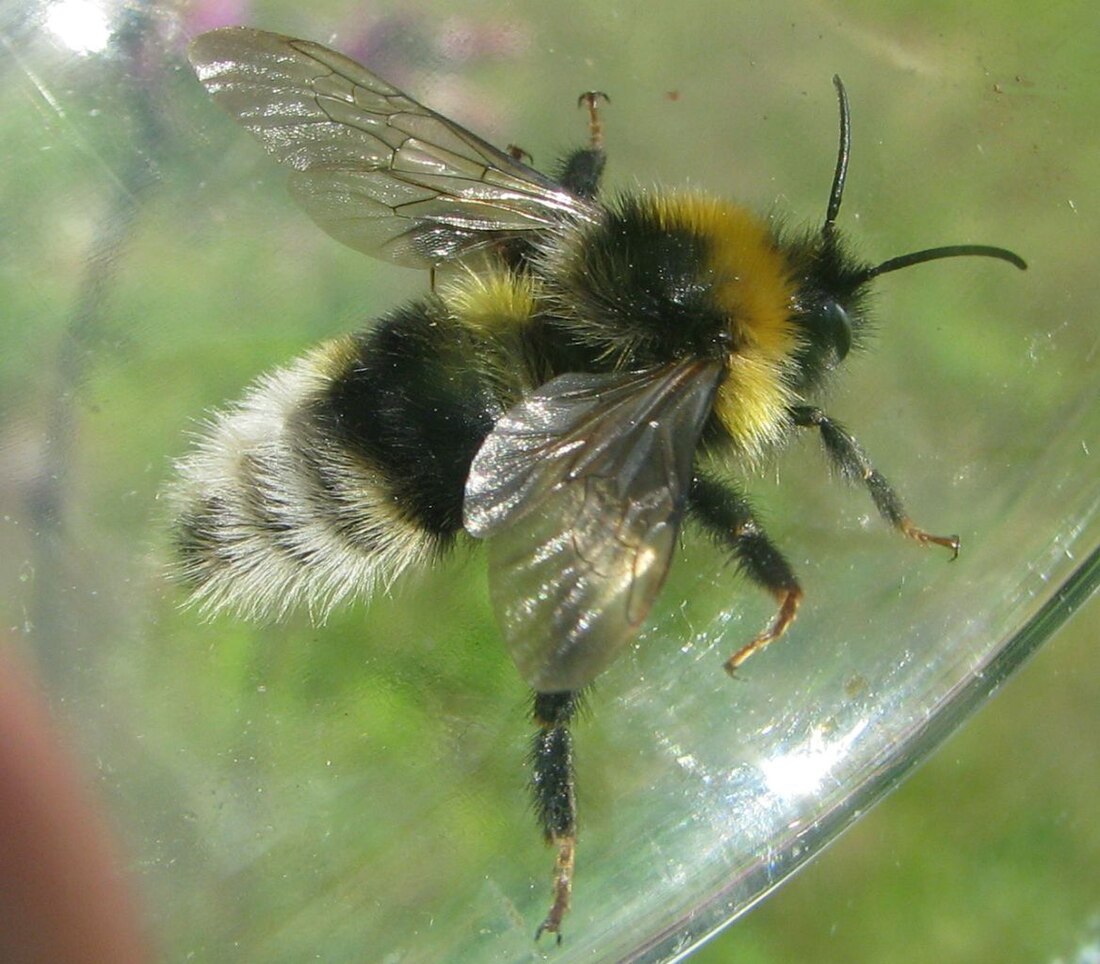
(356, 790)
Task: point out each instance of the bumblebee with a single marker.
(569, 395)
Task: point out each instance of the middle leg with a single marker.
(729, 519)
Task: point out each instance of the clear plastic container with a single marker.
(356, 791)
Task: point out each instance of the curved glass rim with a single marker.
(677, 942)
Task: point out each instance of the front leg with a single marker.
(853, 464)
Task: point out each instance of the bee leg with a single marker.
(591, 99)
(729, 518)
(852, 462)
(580, 171)
(554, 796)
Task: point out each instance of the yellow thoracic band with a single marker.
(754, 287)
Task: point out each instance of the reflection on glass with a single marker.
(81, 25)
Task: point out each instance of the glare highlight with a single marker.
(802, 772)
(80, 25)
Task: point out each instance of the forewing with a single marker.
(375, 169)
(579, 491)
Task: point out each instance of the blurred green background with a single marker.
(153, 264)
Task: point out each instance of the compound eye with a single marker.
(836, 329)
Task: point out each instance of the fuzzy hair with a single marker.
(271, 514)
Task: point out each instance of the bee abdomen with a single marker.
(335, 474)
(270, 513)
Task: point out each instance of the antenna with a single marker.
(836, 194)
(843, 151)
(947, 251)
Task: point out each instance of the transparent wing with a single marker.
(375, 169)
(580, 490)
